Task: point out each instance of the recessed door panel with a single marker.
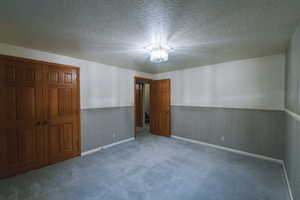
(68, 77)
(12, 140)
(67, 134)
(53, 109)
(29, 74)
(26, 100)
(53, 76)
(54, 137)
(9, 73)
(10, 101)
(65, 100)
(27, 146)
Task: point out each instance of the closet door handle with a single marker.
(37, 123)
(45, 123)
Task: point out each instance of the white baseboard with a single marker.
(105, 147)
(116, 143)
(287, 181)
(91, 151)
(263, 108)
(230, 149)
(292, 114)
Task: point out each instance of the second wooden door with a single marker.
(160, 107)
(62, 113)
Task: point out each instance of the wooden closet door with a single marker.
(62, 102)
(22, 139)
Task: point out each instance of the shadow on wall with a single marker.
(292, 133)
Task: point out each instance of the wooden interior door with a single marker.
(22, 139)
(139, 105)
(160, 91)
(62, 101)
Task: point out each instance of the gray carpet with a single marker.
(155, 168)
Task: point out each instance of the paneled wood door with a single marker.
(22, 139)
(39, 114)
(160, 107)
(62, 100)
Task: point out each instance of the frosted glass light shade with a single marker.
(159, 52)
(159, 55)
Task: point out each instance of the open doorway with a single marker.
(152, 106)
(142, 106)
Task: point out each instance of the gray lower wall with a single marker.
(292, 136)
(99, 125)
(292, 154)
(254, 131)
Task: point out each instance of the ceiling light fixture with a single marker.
(158, 52)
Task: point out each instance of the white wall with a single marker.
(253, 83)
(146, 97)
(146, 100)
(101, 85)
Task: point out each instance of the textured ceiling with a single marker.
(115, 32)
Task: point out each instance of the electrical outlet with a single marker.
(223, 138)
